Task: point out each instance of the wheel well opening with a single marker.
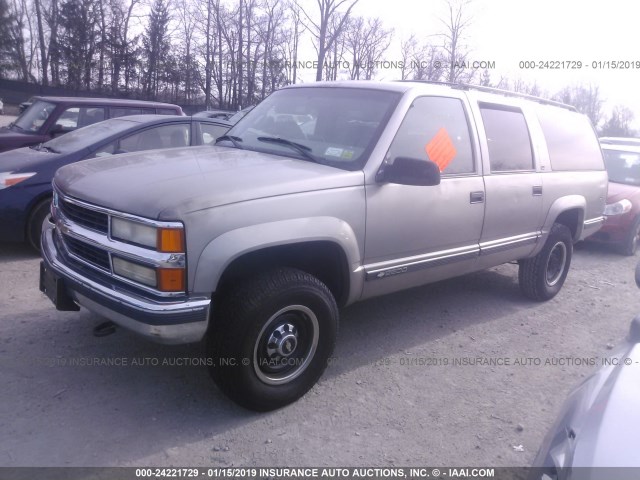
(322, 259)
(571, 219)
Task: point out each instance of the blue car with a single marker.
(26, 173)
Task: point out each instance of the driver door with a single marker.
(420, 234)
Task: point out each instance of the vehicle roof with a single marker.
(403, 86)
(103, 101)
(156, 118)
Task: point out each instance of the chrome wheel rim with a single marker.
(556, 263)
(286, 345)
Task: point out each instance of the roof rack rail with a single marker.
(499, 91)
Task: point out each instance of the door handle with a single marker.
(537, 190)
(476, 197)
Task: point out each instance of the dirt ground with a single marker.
(396, 394)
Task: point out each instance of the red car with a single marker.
(622, 225)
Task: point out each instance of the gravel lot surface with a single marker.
(392, 397)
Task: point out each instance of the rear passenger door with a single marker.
(418, 234)
(513, 210)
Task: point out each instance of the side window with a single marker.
(167, 136)
(105, 150)
(166, 111)
(507, 137)
(209, 132)
(91, 115)
(68, 119)
(570, 138)
(436, 129)
(124, 111)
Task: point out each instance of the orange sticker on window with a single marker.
(441, 149)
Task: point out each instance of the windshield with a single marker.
(90, 135)
(623, 167)
(329, 125)
(33, 117)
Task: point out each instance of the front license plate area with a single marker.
(53, 287)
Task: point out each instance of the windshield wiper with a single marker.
(232, 138)
(42, 146)
(301, 149)
(15, 125)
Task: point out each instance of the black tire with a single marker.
(542, 276)
(630, 245)
(272, 337)
(34, 224)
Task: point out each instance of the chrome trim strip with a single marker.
(411, 264)
(381, 270)
(594, 221)
(495, 246)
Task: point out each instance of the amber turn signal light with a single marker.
(171, 240)
(171, 280)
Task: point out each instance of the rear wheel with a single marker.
(542, 276)
(272, 338)
(34, 225)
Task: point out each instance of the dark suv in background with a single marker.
(48, 117)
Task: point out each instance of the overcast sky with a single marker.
(508, 31)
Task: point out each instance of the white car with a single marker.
(1, 107)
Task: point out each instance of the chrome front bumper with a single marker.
(170, 321)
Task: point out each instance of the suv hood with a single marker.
(164, 184)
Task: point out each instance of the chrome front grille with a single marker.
(88, 253)
(92, 219)
(83, 233)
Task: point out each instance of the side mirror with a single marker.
(410, 171)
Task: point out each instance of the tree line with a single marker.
(232, 53)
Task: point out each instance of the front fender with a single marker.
(226, 248)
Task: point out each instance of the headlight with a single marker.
(9, 179)
(618, 208)
(134, 232)
(135, 271)
(164, 279)
(168, 240)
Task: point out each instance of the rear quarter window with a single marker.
(167, 111)
(571, 140)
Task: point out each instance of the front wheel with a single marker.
(273, 338)
(36, 219)
(542, 276)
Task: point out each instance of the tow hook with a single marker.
(104, 329)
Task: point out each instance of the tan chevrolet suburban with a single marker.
(323, 195)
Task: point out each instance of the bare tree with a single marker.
(421, 61)
(327, 27)
(294, 30)
(619, 123)
(455, 30)
(366, 41)
(586, 99)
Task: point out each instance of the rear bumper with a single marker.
(172, 321)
